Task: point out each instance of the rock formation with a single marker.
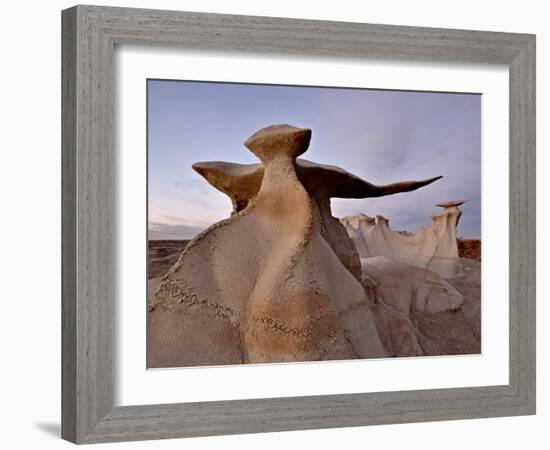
(432, 247)
(239, 293)
(402, 293)
(280, 280)
(241, 183)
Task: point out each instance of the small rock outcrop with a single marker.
(403, 293)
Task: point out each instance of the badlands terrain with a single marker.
(465, 325)
(162, 254)
(283, 280)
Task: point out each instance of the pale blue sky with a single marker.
(381, 136)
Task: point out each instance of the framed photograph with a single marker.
(279, 224)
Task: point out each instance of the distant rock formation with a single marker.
(280, 280)
(432, 247)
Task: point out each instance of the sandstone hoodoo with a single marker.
(241, 183)
(432, 247)
(280, 279)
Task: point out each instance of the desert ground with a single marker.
(161, 255)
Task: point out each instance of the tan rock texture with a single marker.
(455, 332)
(402, 294)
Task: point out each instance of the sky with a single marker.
(382, 136)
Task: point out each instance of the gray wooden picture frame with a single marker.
(90, 34)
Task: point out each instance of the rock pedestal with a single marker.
(432, 247)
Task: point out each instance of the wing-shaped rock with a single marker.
(241, 183)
